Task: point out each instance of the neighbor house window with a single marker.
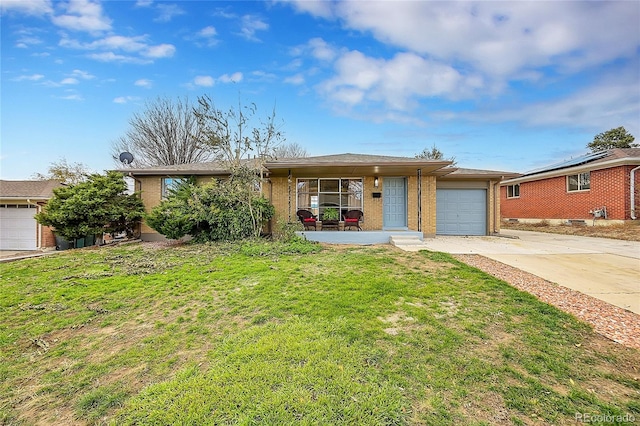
(579, 182)
(513, 191)
(170, 184)
(317, 195)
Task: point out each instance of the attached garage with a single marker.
(18, 228)
(461, 212)
(20, 200)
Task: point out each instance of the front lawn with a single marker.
(260, 333)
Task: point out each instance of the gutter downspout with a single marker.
(136, 184)
(419, 200)
(496, 202)
(632, 178)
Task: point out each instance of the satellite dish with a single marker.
(126, 157)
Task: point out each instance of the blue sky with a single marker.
(499, 85)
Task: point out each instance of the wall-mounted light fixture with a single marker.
(376, 182)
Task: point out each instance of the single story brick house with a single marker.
(597, 188)
(20, 200)
(394, 193)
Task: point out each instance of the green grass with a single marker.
(273, 333)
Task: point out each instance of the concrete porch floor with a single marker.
(359, 237)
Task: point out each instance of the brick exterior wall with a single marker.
(282, 195)
(549, 198)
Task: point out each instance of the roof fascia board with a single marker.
(24, 197)
(629, 161)
(300, 165)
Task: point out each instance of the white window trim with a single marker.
(513, 186)
(578, 180)
(361, 178)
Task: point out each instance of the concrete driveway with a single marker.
(603, 268)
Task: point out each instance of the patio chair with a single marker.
(307, 218)
(353, 218)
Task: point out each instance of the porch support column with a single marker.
(419, 200)
(289, 194)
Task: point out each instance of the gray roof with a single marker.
(468, 173)
(591, 158)
(33, 189)
(350, 158)
(597, 161)
(347, 164)
(207, 168)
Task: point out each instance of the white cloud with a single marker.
(236, 77)
(83, 15)
(69, 80)
(32, 77)
(396, 82)
(144, 3)
(143, 82)
(30, 7)
(503, 39)
(296, 80)
(128, 44)
(168, 12)
(204, 80)
(321, 50)
(320, 8)
(250, 25)
(82, 75)
(72, 96)
(608, 104)
(207, 32)
(27, 42)
(136, 45)
(125, 99)
(160, 51)
(112, 57)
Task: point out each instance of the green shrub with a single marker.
(331, 214)
(286, 231)
(218, 211)
(92, 207)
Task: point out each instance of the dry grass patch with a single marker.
(629, 231)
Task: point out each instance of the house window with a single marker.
(579, 182)
(513, 191)
(170, 184)
(317, 195)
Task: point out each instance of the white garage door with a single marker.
(18, 228)
(461, 212)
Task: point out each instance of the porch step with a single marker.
(405, 240)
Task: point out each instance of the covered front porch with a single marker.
(359, 237)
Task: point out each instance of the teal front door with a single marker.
(394, 203)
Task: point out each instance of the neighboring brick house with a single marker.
(394, 193)
(19, 202)
(582, 189)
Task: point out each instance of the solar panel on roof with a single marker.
(568, 163)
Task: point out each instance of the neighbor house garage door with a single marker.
(18, 227)
(461, 211)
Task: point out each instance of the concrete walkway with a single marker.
(604, 268)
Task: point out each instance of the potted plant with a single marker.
(330, 217)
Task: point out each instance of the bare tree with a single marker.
(69, 174)
(234, 140)
(291, 150)
(165, 133)
(435, 154)
(230, 136)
